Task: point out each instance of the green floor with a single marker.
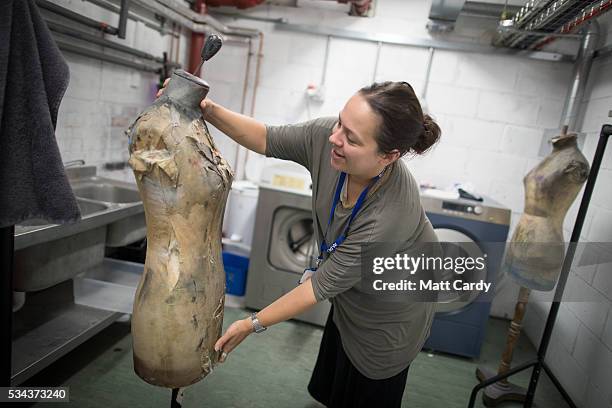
(268, 370)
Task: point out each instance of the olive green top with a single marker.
(380, 338)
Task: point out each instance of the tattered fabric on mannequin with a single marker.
(184, 183)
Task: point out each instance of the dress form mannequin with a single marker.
(536, 251)
(184, 184)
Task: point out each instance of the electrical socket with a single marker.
(316, 93)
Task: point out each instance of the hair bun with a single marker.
(429, 137)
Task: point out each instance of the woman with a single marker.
(367, 344)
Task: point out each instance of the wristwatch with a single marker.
(257, 327)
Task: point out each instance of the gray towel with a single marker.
(33, 79)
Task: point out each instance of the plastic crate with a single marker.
(236, 268)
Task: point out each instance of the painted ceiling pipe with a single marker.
(71, 15)
(241, 4)
(358, 7)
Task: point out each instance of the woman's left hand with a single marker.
(234, 335)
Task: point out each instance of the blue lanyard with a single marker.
(330, 249)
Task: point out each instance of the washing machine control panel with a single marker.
(461, 208)
(487, 211)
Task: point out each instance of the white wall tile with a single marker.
(533, 322)
(600, 230)
(602, 281)
(589, 306)
(400, 63)
(511, 195)
(549, 114)
(595, 357)
(85, 75)
(477, 133)
(508, 108)
(596, 114)
(502, 167)
(227, 66)
(294, 77)
(444, 67)
(566, 328)
(597, 397)
(602, 193)
(600, 81)
(539, 78)
(452, 101)
(586, 272)
(607, 336)
(349, 56)
(519, 140)
(488, 72)
(567, 369)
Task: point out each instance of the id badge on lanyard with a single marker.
(309, 272)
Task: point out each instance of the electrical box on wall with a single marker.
(316, 93)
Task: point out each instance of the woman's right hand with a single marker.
(161, 91)
(206, 105)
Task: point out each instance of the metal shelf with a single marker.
(55, 321)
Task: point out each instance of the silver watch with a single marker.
(257, 327)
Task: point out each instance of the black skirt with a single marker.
(336, 383)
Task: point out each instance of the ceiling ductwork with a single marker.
(443, 15)
(539, 22)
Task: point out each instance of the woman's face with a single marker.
(354, 147)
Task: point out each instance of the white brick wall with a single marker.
(102, 99)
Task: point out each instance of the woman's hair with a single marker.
(403, 125)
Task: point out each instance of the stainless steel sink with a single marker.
(88, 208)
(112, 214)
(104, 191)
(86, 185)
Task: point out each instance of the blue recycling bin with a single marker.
(236, 268)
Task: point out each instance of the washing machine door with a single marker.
(293, 243)
(466, 247)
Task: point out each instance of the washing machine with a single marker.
(459, 325)
(284, 244)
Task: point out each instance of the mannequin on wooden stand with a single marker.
(535, 253)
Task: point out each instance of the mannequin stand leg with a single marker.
(504, 390)
(177, 398)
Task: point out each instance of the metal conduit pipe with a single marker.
(131, 15)
(245, 89)
(253, 100)
(54, 8)
(123, 17)
(65, 46)
(62, 29)
(582, 67)
(157, 8)
(203, 23)
(182, 9)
